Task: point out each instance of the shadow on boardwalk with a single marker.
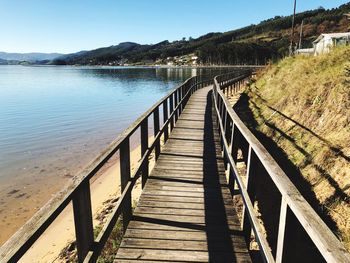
(215, 212)
(186, 212)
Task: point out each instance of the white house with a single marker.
(325, 42)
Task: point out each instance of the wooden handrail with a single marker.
(292, 202)
(79, 190)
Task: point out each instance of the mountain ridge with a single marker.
(31, 56)
(254, 44)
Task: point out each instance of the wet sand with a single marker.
(104, 186)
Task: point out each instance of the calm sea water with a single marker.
(55, 118)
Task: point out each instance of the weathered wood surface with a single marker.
(185, 213)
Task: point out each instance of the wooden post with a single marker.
(144, 148)
(175, 105)
(156, 131)
(124, 179)
(231, 175)
(165, 118)
(252, 170)
(222, 111)
(293, 238)
(180, 99)
(227, 126)
(171, 111)
(281, 230)
(225, 116)
(84, 231)
(219, 107)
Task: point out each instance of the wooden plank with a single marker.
(183, 212)
(179, 244)
(155, 225)
(178, 255)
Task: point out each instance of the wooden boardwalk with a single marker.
(185, 213)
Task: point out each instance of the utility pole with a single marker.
(301, 33)
(291, 48)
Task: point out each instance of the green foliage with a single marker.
(110, 250)
(302, 104)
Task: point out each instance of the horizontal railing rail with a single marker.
(78, 192)
(235, 135)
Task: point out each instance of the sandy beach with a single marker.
(104, 187)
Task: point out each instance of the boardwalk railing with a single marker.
(88, 247)
(234, 135)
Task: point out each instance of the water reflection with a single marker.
(73, 112)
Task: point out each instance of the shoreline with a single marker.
(104, 186)
(145, 66)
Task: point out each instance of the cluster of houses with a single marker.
(191, 60)
(325, 42)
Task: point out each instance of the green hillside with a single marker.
(254, 44)
(300, 109)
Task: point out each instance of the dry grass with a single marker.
(303, 105)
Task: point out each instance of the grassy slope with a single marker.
(303, 105)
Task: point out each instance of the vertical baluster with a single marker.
(281, 231)
(252, 170)
(223, 136)
(292, 238)
(165, 118)
(83, 220)
(228, 126)
(184, 91)
(144, 148)
(180, 99)
(124, 179)
(176, 100)
(222, 111)
(231, 175)
(156, 131)
(171, 111)
(219, 113)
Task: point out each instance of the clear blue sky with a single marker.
(72, 25)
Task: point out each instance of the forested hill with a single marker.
(254, 44)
